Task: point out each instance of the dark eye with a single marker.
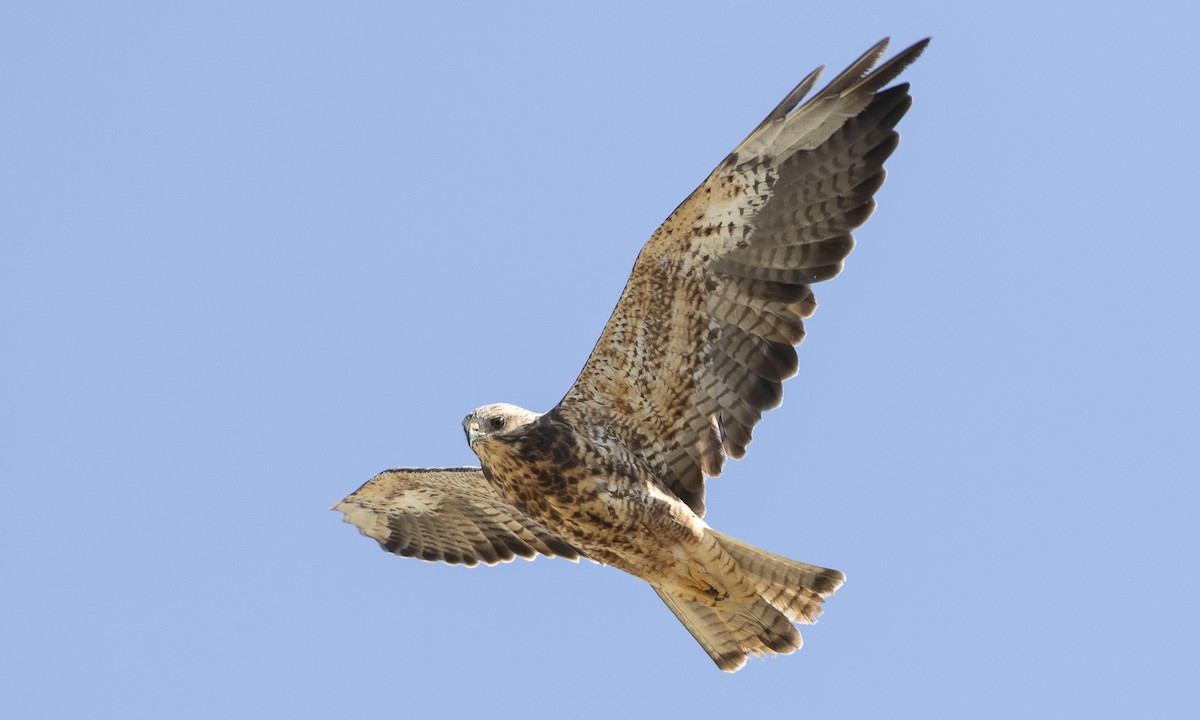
(497, 422)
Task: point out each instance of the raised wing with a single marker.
(704, 333)
(447, 514)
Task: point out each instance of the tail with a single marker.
(783, 592)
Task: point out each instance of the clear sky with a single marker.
(253, 253)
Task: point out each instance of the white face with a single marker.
(496, 419)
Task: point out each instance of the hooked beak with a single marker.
(471, 428)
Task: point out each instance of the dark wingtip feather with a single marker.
(888, 71)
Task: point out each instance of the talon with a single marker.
(718, 596)
(707, 585)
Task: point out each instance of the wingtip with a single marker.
(920, 45)
(905, 57)
(912, 52)
(885, 73)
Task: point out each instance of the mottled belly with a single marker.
(628, 525)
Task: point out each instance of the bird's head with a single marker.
(497, 419)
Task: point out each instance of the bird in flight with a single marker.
(699, 345)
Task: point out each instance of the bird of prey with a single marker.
(699, 344)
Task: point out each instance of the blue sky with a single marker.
(251, 254)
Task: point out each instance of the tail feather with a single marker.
(731, 634)
(796, 588)
(758, 621)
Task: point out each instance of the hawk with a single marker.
(699, 345)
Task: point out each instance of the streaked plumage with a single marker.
(697, 348)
